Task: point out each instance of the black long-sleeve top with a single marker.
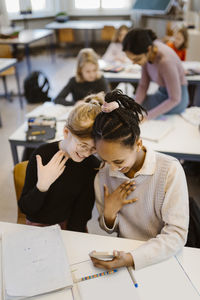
(79, 90)
(70, 197)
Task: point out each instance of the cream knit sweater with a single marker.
(160, 216)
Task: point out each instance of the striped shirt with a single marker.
(160, 216)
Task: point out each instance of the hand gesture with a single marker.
(50, 172)
(115, 201)
(121, 259)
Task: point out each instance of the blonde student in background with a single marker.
(114, 51)
(140, 194)
(88, 79)
(60, 175)
(114, 54)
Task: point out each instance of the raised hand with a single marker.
(48, 173)
(115, 201)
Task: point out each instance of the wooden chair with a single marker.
(19, 174)
(107, 33)
(66, 36)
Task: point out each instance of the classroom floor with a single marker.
(12, 117)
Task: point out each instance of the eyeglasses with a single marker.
(82, 147)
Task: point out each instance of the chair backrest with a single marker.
(6, 52)
(66, 35)
(107, 33)
(19, 174)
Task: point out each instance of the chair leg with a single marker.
(0, 122)
(7, 94)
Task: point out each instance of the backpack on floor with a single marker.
(36, 87)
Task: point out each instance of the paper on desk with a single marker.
(50, 109)
(165, 281)
(34, 262)
(154, 130)
(116, 286)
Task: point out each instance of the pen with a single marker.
(130, 269)
(38, 132)
(96, 275)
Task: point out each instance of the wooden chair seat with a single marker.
(19, 174)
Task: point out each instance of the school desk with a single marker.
(27, 37)
(6, 63)
(87, 25)
(132, 73)
(153, 281)
(182, 142)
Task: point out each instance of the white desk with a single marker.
(151, 284)
(182, 142)
(27, 37)
(6, 63)
(132, 73)
(87, 25)
(18, 138)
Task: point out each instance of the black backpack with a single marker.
(36, 87)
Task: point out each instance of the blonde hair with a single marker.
(86, 55)
(117, 33)
(81, 119)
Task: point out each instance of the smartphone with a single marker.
(102, 255)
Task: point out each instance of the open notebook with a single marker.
(34, 262)
(115, 286)
(155, 130)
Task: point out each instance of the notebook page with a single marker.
(116, 286)
(34, 262)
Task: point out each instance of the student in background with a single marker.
(59, 179)
(161, 65)
(114, 53)
(140, 194)
(88, 79)
(180, 43)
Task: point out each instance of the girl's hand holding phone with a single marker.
(48, 173)
(109, 261)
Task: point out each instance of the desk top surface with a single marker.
(6, 63)
(189, 259)
(132, 72)
(183, 139)
(28, 36)
(88, 24)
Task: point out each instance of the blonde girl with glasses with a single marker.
(88, 79)
(59, 179)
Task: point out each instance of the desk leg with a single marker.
(27, 54)
(18, 86)
(0, 121)
(15, 156)
(7, 94)
(86, 33)
(51, 48)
